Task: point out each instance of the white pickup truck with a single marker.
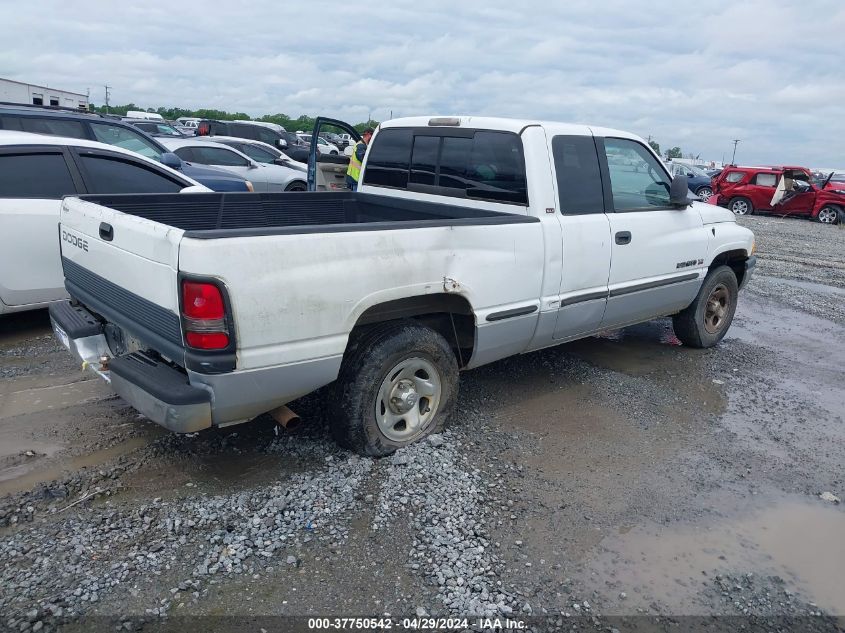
(469, 240)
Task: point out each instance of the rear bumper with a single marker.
(190, 401)
(154, 388)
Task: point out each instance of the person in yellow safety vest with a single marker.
(353, 172)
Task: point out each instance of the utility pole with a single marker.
(733, 158)
(107, 98)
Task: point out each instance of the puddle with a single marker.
(24, 477)
(54, 397)
(797, 539)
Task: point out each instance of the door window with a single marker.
(735, 176)
(127, 138)
(267, 136)
(245, 131)
(637, 181)
(115, 175)
(579, 184)
(218, 156)
(34, 176)
(257, 154)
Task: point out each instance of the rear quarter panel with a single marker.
(297, 297)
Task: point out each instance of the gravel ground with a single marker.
(619, 483)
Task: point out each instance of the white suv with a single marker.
(36, 171)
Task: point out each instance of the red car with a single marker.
(779, 190)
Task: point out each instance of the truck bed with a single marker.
(218, 215)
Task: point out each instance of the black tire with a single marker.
(296, 186)
(333, 153)
(738, 202)
(696, 325)
(703, 189)
(371, 355)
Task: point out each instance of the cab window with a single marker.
(579, 186)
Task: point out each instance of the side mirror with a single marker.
(252, 165)
(280, 161)
(171, 160)
(679, 192)
(281, 143)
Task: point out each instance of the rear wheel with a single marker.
(829, 215)
(397, 383)
(704, 193)
(296, 186)
(706, 320)
(741, 206)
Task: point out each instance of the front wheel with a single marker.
(829, 215)
(397, 383)
(296, 186)
(333, 153)
(741, 206)
(704, 193)
(706, 320)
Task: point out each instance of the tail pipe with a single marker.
(286, 418)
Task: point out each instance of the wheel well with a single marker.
(735, 260)
(451, 316)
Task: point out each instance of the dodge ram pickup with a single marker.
(469, 240)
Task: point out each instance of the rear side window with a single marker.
(735, 176)
(55, 127)
(579, 183)
(766, 180)
(389, 159)
(34, 176)
(482, 165)
(245, 131)
(114, 175)
(267, 136)
(258, 154)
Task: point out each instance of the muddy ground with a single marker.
(622, 482)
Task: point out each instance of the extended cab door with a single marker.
(658, 251)
(585, 232)
(327, 172)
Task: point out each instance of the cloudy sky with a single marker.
(691, 74)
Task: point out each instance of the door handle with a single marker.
(623, 237)
(106, 232)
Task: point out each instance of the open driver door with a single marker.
(327, 172)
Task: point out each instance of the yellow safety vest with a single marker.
(354, 169)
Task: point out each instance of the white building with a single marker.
(19, 92)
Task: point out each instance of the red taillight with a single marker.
(202, 301)
(204, 316)
(202, 340)
(203, 129)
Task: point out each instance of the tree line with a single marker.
(303, 122)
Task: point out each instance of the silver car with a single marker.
(265, 177)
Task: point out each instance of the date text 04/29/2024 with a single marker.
(417, 623)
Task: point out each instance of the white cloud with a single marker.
(695, 75)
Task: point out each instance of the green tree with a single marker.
(655, 146)
(675, 152)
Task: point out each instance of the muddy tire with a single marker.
(741, 206)
(706, 320)
(398, 382)
(830, 214)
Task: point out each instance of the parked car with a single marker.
(265, 177)
(287, 142)
(323, 146)
(35, 172)
(780, 190)
(698, 179)
(259, 152)
(112, 131)
(156, 128)
(439, 262)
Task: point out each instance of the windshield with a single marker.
(126, 138)
(697, 171)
